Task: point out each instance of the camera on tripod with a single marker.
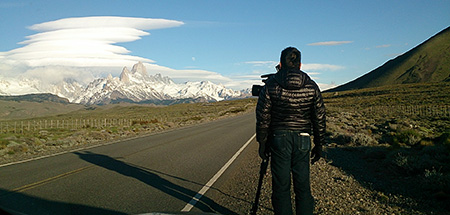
(257, 88)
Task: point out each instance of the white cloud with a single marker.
(330, 43)
(56, 74)
(323, 86)
(383, 46)
(87, 43)
(268, 66)
(321, 67)
(262, 63)
(243, 84)
(106, 22)
(187, 74)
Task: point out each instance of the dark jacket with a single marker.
(290, 100)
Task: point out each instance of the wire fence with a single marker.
(400, 110)
(413, 110)
(30, 126)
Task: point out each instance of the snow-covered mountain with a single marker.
(131, 86)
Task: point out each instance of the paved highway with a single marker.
(157, 173)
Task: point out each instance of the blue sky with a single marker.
(234, 42)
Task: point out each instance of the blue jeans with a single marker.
(291, 153)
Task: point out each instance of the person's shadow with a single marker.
(204, 204)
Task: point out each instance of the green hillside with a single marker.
(427, 62)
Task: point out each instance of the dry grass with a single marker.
(404, 129)
(30, 137)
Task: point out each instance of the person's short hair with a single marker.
(290, 58)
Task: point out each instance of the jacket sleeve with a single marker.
(318, 118)
(263, 116)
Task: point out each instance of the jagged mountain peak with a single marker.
(131, 86)
(138, 86)
(139, 68)
(160, 78)
(125, 75)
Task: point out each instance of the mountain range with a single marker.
(427, 62)
(135, 86)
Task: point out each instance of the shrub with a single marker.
(402, 161)
(361, 139)
(390, 138)
(409, 137)
(436, 180)
(444, 139)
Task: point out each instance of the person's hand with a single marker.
(263, 151)
(316, 153)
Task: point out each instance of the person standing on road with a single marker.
(290, 108)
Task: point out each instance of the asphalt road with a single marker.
(156, 173)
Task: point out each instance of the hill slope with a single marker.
(427, 62)
(44, 97)
(34, 105)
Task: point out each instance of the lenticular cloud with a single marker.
(80, 49)
(84, 42)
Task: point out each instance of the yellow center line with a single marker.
(45, 181)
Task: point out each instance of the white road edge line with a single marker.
(205, 188)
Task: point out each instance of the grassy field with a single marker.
(401, 132)
(24, 138)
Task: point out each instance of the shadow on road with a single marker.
(20, 203)
(205, 204)
(193, 182)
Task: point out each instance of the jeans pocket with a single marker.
(304, 144)
(279, 143)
